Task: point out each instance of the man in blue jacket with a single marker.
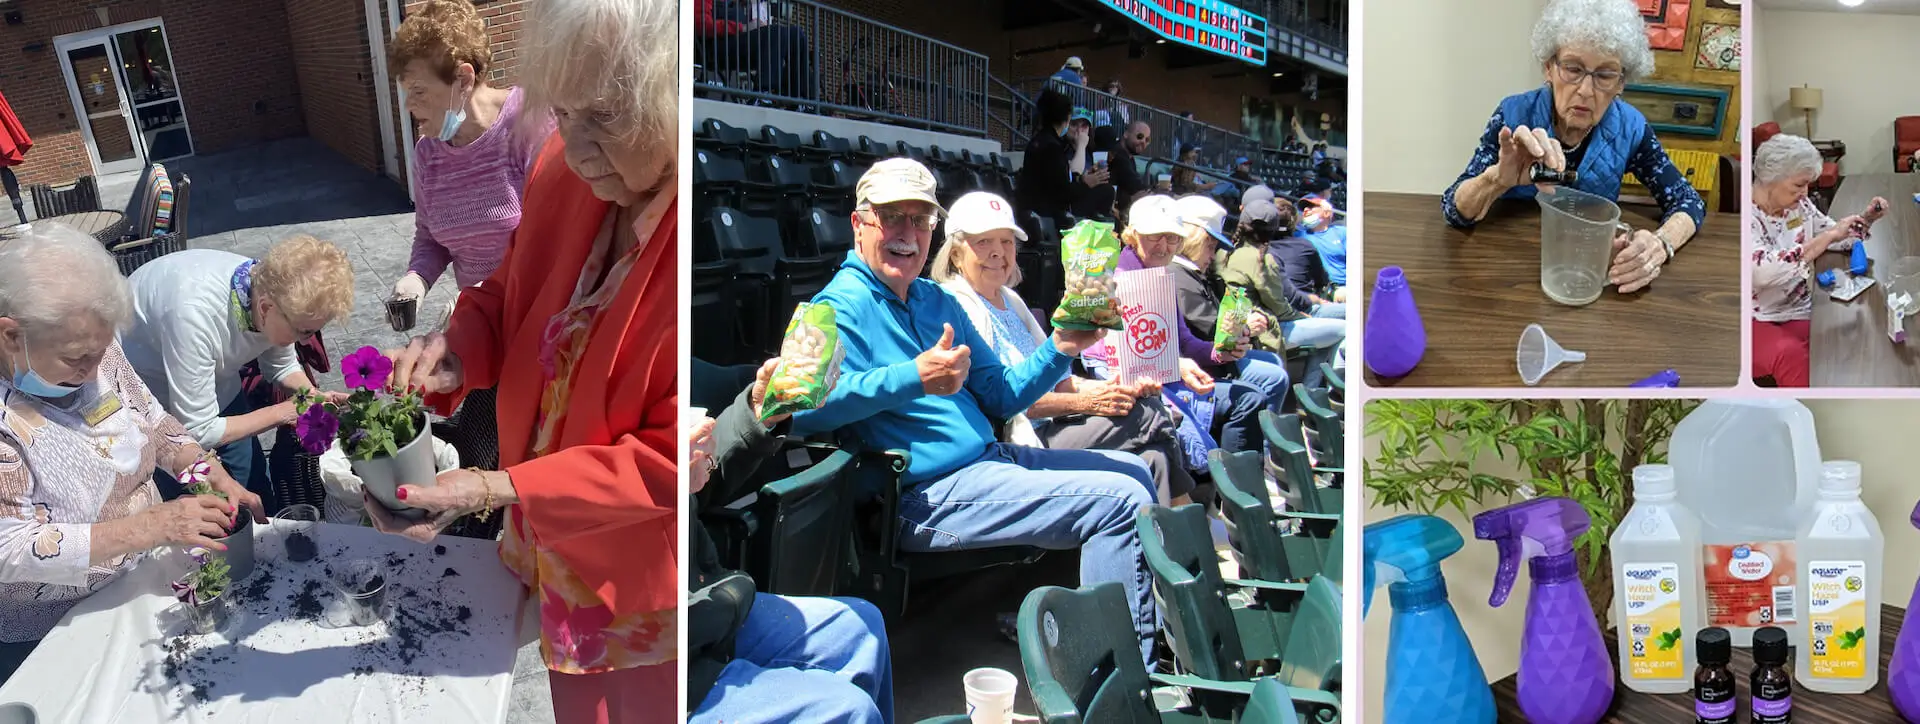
(910, 381)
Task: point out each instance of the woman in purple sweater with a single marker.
(470, 164)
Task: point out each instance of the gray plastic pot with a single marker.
(239, 543)
(414, 465)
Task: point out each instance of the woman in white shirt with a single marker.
(80, 439)
(976, 265)
(1788, 234)
(202, 314)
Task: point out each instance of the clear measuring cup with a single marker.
(1576, 244)
(1903, 295)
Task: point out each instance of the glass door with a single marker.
(106, 119)
(121, 80)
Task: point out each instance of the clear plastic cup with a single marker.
(362, 584)
(299, 529)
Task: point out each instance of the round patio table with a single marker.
(106, 226)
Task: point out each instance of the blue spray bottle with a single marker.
(1433, 677)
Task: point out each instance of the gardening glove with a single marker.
(410, 286)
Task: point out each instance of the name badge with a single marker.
(101, 409)
(1795, 222)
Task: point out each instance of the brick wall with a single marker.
(331, 55)
(231, 60)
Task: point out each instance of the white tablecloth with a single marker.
(122, 656)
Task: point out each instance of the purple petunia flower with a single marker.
(366, 369)
(316, 428)
(185, 592)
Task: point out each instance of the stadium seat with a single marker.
(1262, 544)
(790, 532)
(1291, 469)
(828, 234)
(828, 146)
(715, 311)
(716, 135)
(771, 280)
(717, 180)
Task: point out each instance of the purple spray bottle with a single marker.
(1903, 671)
(1566, 676)
(1395, 339)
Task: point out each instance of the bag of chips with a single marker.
(1234, 325)
(809, 363)
(1090, 254)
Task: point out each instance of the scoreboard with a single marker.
(1211, 25)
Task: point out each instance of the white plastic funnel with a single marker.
(1539, 354)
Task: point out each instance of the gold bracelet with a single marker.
(486, 506)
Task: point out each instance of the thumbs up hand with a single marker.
(943, 369)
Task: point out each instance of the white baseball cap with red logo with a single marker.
(980, 212)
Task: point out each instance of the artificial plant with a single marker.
(1432, 456)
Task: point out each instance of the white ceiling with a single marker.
(1884, 7)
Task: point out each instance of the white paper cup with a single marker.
(695, 415)
(1100, 159)
(17, 713)
(990, 695)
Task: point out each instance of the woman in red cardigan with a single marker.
(578, 330)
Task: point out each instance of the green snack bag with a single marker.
(1090, 254)
(809, 363)
(1232, 328)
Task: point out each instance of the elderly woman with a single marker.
(1788, 234)
(80, 439)
(1252, 267)
(767, 658)
(1202, 221)
(976, 265)
(576, 329)
(201, 315)
(1588, 50)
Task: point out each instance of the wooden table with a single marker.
(1476, 290)
(105, 226)
(1631, 707)
(1849, 345)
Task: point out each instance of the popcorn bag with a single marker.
(1233, 328)
(809, 362)
(1091, 254)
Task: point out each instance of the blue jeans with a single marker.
(805, 659)
(1331, 310)
(1266, 372)
(1052, 499)
(244, 459)
(1325, 336)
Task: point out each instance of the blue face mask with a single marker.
(28, 381)
(450, 123)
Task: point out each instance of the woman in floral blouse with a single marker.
(1788, 234)
(1588, 51)
(80, 438)
(577, 329)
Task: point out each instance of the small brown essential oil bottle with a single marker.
(1543, 175)
(1713, 699)
(1770, 684)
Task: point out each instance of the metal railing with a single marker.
(1170, 133)
(805, 56)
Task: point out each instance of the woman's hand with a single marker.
(1637, 260)
(1876, 209)
(237, 494)
(1195, 378)
(1072, 342)
(1257, 324)
(189, 520)
(1107, 400)
(758, 397)
(454, 493)
(410, 286)
(1079, 136)
(1230, 356)
(1096, 178)
(1520, 148)
(700, 456)
(1146, 387)
(426, 363)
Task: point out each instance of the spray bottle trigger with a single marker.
(1508, 571)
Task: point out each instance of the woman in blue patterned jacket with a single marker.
(1588, 50)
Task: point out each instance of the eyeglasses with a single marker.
(1606, 80)
(896, 221)
(298, 333)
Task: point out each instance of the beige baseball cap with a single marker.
(1074, 63)
(896, 179)
(1156, 214)
(980, 212)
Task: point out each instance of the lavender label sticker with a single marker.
(1772, 707)
(1716, 711)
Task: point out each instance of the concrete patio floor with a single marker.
(244, 201)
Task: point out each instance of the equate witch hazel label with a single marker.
(1653, 621)
(1749, 584)
(1837, 614)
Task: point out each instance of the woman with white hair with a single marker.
(1588, 50)
(200, 315)
(576, 328)
(977, 266)
(80, 439)
(1788, 233)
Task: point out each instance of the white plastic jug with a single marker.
(1749, 469)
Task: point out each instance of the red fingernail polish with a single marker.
(400, 493)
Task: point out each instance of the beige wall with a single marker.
(1858, 59)
(1434, 71)
(1873, 432)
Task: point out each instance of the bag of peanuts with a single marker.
(1090, 254)
(1234, 326)
(809, 363)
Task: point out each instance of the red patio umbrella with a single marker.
(14, 141)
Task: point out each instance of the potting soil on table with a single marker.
(420, 633)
